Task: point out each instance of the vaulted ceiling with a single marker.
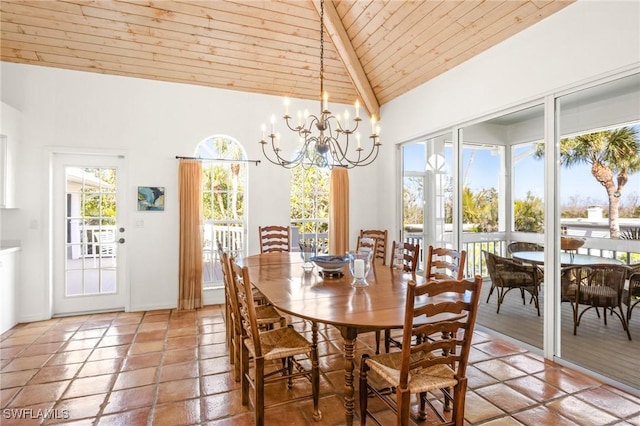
(374, 50)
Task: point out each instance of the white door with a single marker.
(88, 234)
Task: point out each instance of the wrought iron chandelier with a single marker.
(331, 145)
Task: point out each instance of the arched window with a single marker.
(310, 206)
(224, 175)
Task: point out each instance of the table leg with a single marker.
(317, 415)
(349, 335)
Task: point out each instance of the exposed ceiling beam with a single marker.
(340, 39)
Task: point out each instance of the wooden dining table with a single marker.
(380, 305)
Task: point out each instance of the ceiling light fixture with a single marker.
(323, 149)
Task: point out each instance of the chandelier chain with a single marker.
(324, 138)
(321, 47)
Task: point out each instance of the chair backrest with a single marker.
(634, 279)
(365, 243)
(230, 290)
(381, 237)
(606, 275)
(405, 256)
(246, 307)
(445, 264)
(274, 238)
(506, 272)
(449, 318)
(570, 277)
(517, 246)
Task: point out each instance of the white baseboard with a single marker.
(152, 307)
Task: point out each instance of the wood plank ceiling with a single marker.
(374, 50)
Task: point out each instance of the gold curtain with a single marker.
(339, 211)
(190, 272)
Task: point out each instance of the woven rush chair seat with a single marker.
(387, 367)
(442, 328)
(280, 343)
(267, 315)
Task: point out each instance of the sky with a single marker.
(485, 168)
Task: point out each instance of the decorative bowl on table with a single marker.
(571, 243)
(330, 264)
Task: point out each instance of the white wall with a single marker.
(151, 122)
(580, 43)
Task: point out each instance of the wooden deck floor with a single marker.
(602, 349)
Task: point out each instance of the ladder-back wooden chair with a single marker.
(366, 243)
(405, 256)
(273, 352)
(445, 264)
(442, 264)
(443, 328)
(274, 238)
(380, 236)
(266, 316)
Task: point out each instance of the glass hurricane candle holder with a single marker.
(307, 251)
(359, 266)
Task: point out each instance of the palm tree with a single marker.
(613, 156)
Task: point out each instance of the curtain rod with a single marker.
(217, 159)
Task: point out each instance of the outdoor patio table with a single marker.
(279, 276)
(566, 259)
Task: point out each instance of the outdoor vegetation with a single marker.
(98, 204)
(310, 200)
(612, 155)
(223, 194)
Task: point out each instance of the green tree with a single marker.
(529, 214)
(310, 199)
(100, 202)
(412, 200)
(613, 156)
(221, 179)
(480, 209)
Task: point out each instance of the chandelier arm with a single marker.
(279, 160)
(375, 149)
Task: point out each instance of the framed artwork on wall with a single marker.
(151, 198)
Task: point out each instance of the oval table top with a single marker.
(566, 259)
(279, 276)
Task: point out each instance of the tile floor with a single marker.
(171, 368)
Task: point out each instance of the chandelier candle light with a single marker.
(330, 147)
